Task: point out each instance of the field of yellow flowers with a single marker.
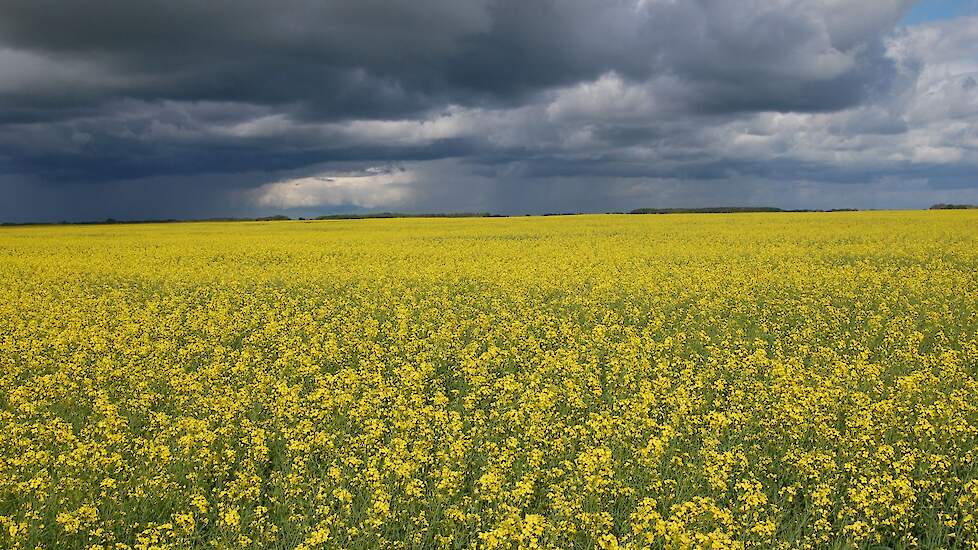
(715, 381)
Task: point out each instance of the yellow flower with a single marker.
(799, 380)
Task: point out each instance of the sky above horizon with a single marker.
(183, 109)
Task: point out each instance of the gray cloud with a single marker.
(377, 59)
(497, 104)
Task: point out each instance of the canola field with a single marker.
(680, 381)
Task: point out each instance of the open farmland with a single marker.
(744, 380)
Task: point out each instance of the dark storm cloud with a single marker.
(356, 58)
(480, 95)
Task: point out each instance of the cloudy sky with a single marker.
(149, 109)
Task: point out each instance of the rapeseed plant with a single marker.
(685, 381)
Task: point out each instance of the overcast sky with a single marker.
(140, 109)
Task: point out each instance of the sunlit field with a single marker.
(744, 381)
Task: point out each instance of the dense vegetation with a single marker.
(748, 380)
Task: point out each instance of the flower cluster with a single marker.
(709, 381)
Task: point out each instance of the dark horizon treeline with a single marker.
(391, 215)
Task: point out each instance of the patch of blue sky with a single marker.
(935, 10)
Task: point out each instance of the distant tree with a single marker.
(707, 210)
